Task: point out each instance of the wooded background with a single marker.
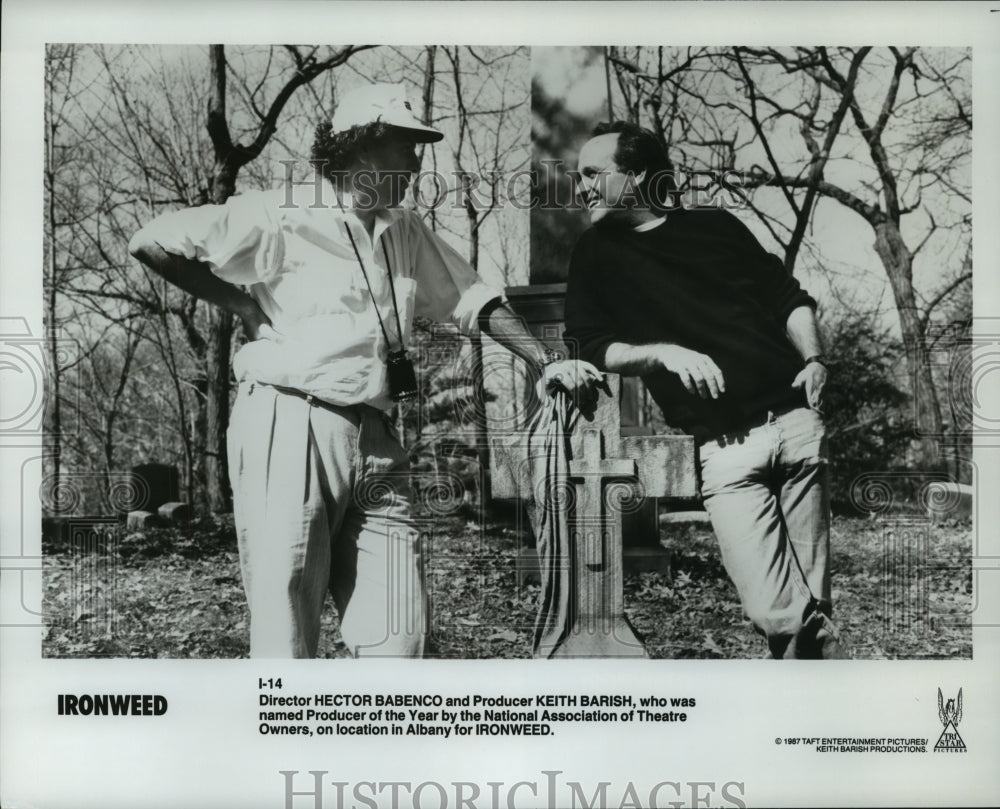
(856, 167)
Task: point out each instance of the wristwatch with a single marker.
(816, 358)
(550, 356)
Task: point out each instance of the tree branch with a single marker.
(218, 128)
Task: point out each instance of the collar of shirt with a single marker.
(344, 208)
(652, 223)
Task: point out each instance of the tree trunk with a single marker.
(220, 338)
(220, 323)
(482, 439)
(896, 259)
(55, 375)
(54, 392)
(54, 395)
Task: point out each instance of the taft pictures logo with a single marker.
(950, 714)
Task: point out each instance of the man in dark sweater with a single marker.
(726, 343)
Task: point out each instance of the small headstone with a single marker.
(946, 500)
(138, 520)
(174, 513)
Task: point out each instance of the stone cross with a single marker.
(610, 474)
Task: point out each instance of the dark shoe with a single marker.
(832, 646)
(818, 639)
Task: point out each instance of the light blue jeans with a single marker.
(766, 491)
(322, 502)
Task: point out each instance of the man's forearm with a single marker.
(193, 277)
(510, 331)
(802, 331)
(631, 360)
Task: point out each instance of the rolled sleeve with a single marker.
(780, 292)
(448, 289)
(241, 240)
(791, 298)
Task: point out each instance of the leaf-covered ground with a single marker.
(901, 590)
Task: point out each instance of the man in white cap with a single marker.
(326, 279)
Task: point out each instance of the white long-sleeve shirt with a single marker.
(298, 264)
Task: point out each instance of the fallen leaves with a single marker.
(178, 593)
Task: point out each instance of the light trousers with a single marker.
(766, 491)
(322, 502)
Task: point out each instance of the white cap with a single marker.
(384, 103)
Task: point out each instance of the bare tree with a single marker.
(136, 153)
(59, 65)
(106, 379)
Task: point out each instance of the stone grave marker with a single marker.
(543, 308)
(150, 487)
(606, 470)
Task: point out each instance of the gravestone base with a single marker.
(619, 640)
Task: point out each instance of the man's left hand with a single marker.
(813, 379)
(576, 377)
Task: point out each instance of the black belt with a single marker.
(301, 394)
(762, 418)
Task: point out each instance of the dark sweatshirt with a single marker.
(701, 280)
